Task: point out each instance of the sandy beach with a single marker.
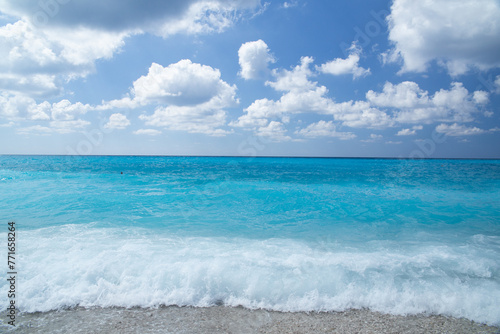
(222, 319)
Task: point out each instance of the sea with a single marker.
(397, 236)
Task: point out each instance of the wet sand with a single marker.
(220, 319)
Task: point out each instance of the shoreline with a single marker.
(223, 319)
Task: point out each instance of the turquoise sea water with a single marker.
(290, 234)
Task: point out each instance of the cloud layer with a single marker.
(154, 16)
(51, 43)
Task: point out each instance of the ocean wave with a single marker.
(88, 265)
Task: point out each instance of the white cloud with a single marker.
(406, 132)
(254, 58)
(457, 34)
(181, 84)
(60, 117)
(67, 111)
(324, 129)
(360, 114)
(296, 80)
(189, 97)
(193, 119)
(81, 47)
(481, 97)
(148, 132)
(21, 107)
(350, 65)
(275, 131)
(36, 85)
(260, 112)
(404, 95)
(497, 84)
(38, 62)
(301, 96)
(412, 104)
(458, 130)
(203, 17)
(117, 121)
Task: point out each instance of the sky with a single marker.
(353, 78)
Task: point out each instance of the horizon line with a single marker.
(245, 156)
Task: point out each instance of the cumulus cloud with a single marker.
(296, 80)
(412, 104)
(497, 84)
(181, 84)
(67, 111)
(350, 65)
(21, 107)
(459, 35)
(481, 97)
(324, 129)
(254, 58)
(409, 132)
(188, 96)
(193, 119)
(59, 117)
(406, 132)
(38, 62)
(300, 96)
(117, 121)
(260, 112)
(359, 114)
(274, 131)
(458, 130)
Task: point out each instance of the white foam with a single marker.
(89, 266)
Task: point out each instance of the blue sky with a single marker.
(375, 78)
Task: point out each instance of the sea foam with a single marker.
(85, 265)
